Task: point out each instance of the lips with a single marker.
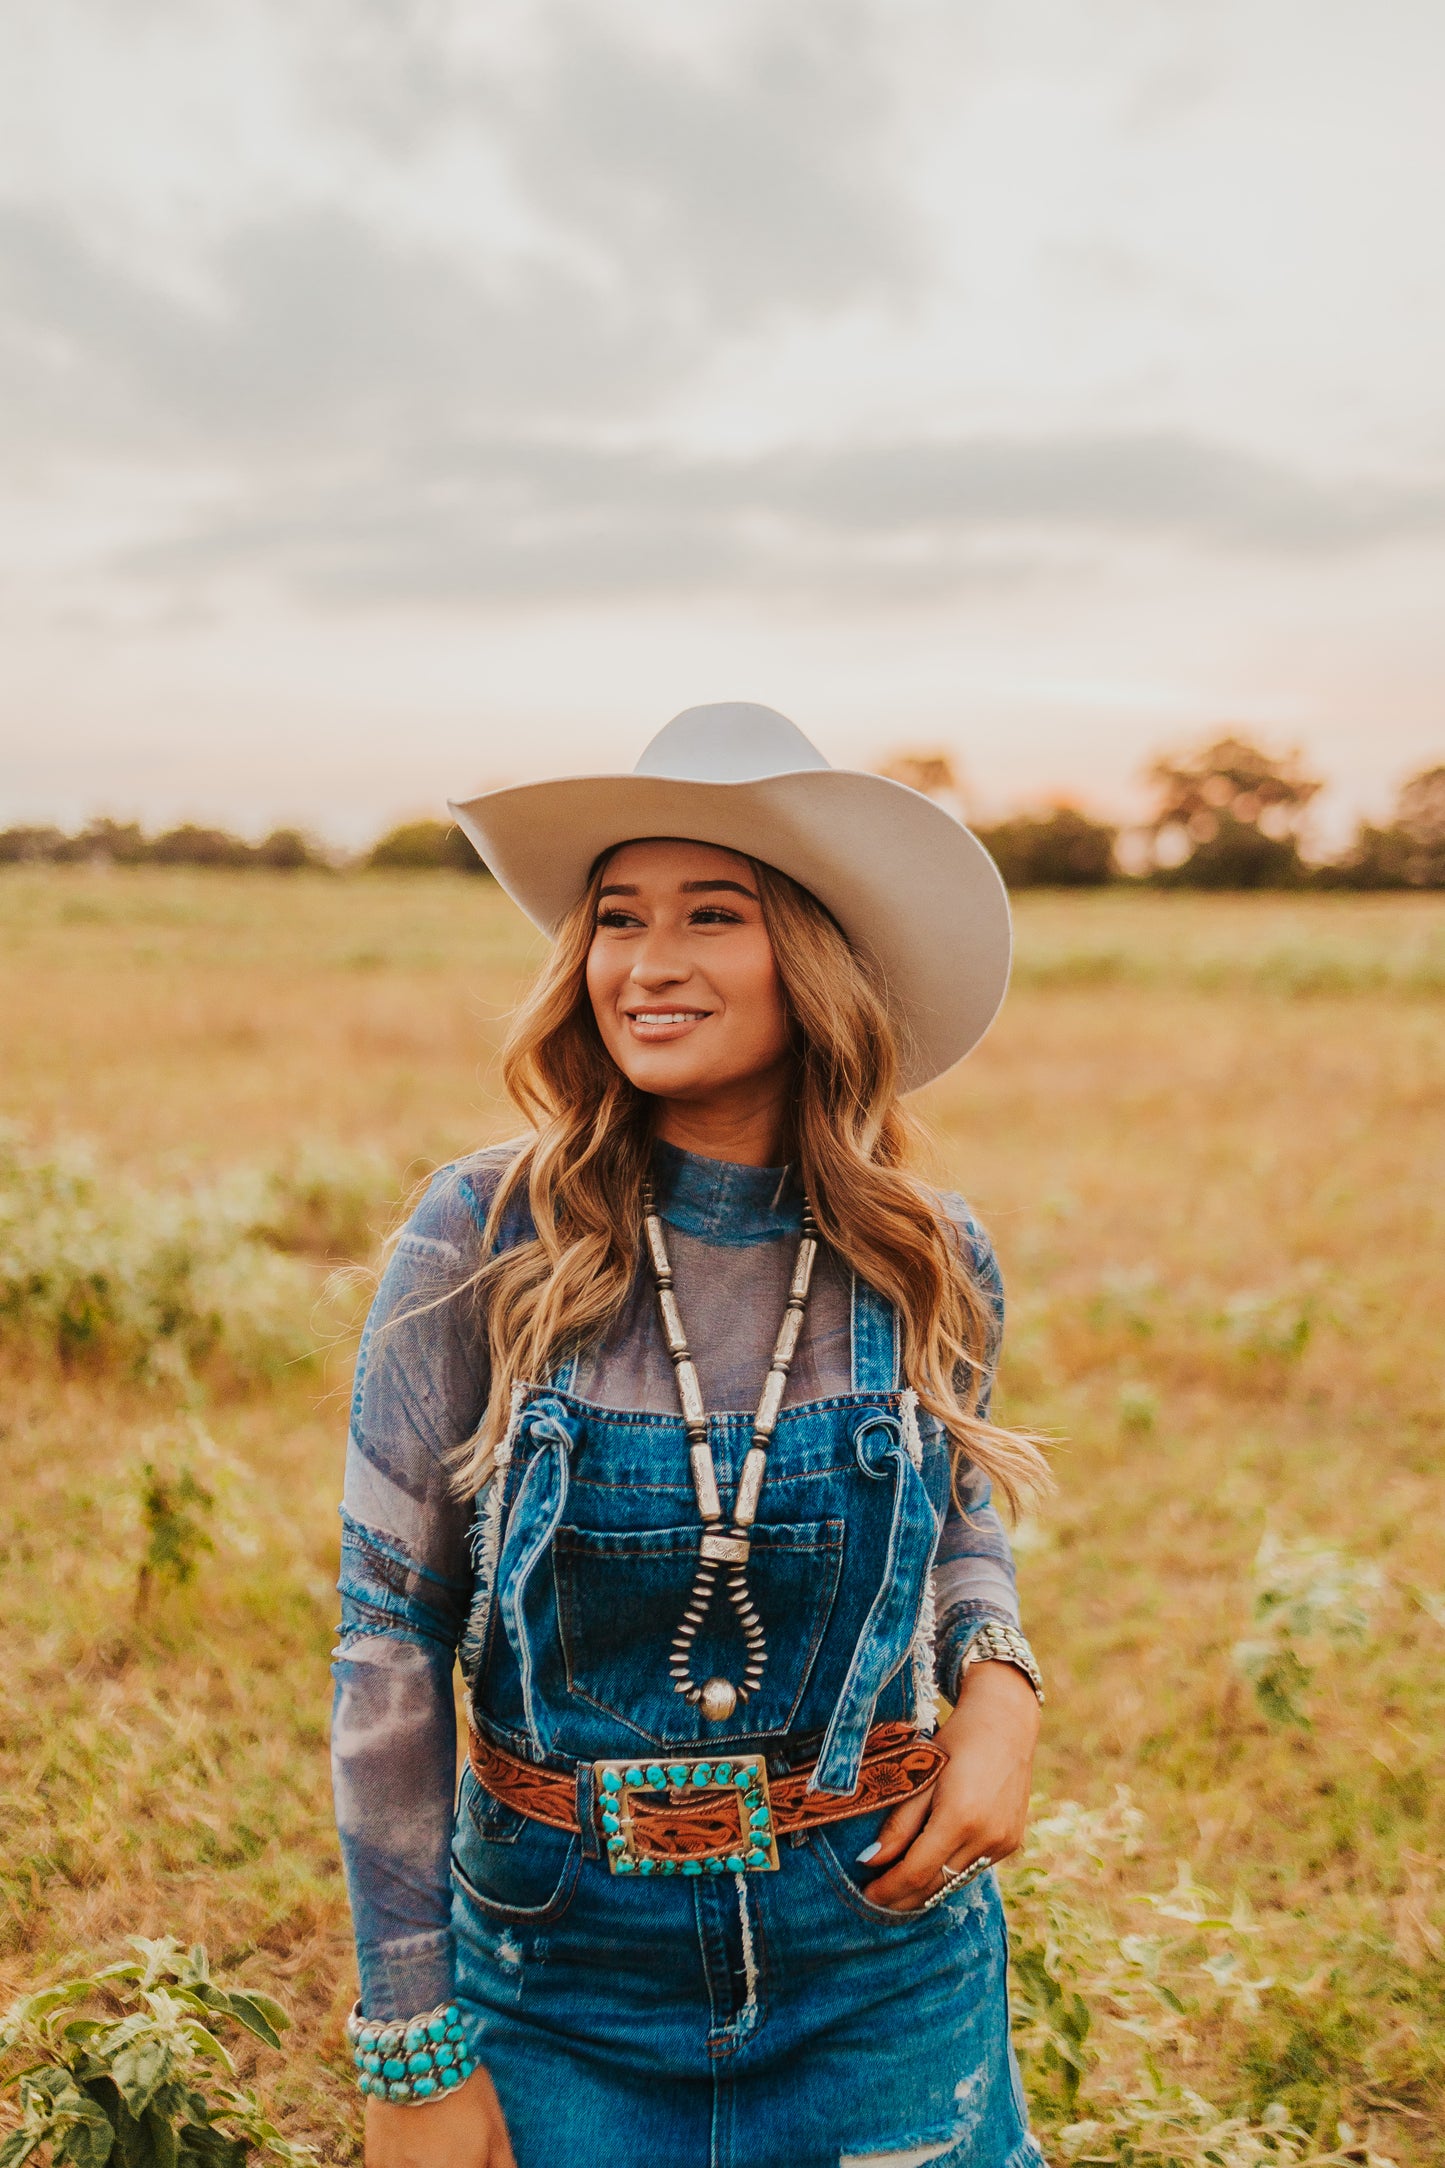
(659, 1024)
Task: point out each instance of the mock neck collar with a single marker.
(722, 1202)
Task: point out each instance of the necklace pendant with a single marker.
(718, 1699)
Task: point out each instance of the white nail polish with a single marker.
(869, 1851)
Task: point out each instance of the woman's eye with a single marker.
(714, 914)
(614, 917)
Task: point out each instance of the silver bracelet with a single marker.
(995, 1643)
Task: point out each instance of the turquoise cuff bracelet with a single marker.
(410, 2060)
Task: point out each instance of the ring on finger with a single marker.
(955, 1878)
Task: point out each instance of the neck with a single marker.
(747, 1126)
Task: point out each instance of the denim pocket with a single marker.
(837, 1847)
(621, 1593)
(509, 1865)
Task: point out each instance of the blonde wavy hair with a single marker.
(583, 1167)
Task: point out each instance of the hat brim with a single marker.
(908, 884)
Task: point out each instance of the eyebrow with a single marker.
(688, 888)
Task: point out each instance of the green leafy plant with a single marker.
(171, 1509)
(144, 2079)
(1307, 1596)
(1104, 2021)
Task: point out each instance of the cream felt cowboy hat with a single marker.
(906, 882)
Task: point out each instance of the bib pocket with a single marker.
(621, 1593)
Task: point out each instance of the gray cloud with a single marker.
(358, 416)
(511, 521)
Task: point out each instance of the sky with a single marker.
(400, 397)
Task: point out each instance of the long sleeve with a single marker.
(974, 1577)
(421, 1389)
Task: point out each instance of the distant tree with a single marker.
(424, 846)
(930, 771)
(1061, 849)
(189, 845)
(105, 842)
(1409, 852)
(287, 850)
(29, 846)
(1229, 816)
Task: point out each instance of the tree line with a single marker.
(1226, 816)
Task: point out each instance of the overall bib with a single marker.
(720, 2019)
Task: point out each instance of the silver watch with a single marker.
(995, 1643)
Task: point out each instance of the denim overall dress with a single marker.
(718, 2019)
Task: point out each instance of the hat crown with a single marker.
(728, 741)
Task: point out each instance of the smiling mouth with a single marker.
(664, 1023)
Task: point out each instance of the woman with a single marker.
(672, 1420)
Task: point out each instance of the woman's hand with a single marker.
(981, 1801)
(464, 2129)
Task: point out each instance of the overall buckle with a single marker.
(701, 1816)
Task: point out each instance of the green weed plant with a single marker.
(127, 2066)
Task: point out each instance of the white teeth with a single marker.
(667, 1016)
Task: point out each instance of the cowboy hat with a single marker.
(906, 882)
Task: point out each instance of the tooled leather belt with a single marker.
(676, 1814)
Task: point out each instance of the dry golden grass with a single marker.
(1206, 1136)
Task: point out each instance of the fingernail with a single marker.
(869, 1851)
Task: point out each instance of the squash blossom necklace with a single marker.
(729, 1545)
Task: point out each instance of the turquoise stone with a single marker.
(444, 2054)
(676, 1773)
(714, 1866)
(437, 2029)
(371, 2062)
(452, 2014)
(450, 2077)
(398, 2092)
(744, 1778)
(669, 1866)
(393, 2070)
(363, 2083)
(424, 2088)
(759, 1858)
(610, 1821)
(703, 1773)
(415, 2033)
(611, 1781)
(454, 2031)
(692, 1866)
(647, 1866)
(735, 1865)
(419, 2064)
(627, 1866)
(656, 1777)
(634, 1776)
(759, 1818)
(617, 1844)
(722, 1772)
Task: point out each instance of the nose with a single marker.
(659, 960)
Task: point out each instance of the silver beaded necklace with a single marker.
(725, 1546)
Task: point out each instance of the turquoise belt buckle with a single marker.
(740, 1827)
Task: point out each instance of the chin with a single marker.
(667, 1080)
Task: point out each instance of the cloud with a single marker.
(511, 520)
(358, 403)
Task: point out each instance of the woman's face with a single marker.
(682, 977)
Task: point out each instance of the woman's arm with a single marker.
(980, 1803)
(421, 1387)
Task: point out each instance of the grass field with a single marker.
(1207, 1137)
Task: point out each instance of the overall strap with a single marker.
(876, 1341)
(881, 1446)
